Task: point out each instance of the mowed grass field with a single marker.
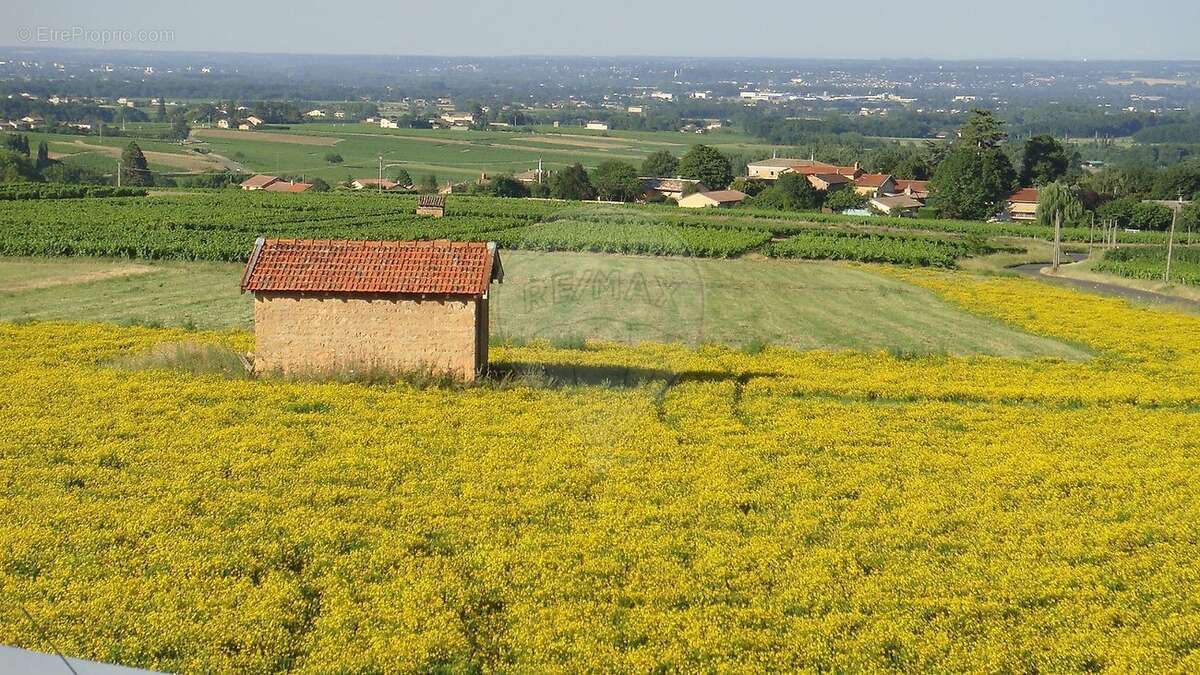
(570, 296)
(448, 154)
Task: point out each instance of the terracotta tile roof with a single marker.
(916, 185)
(280, 186)
(872, 180)
(830, 178)
(411, 267)
(1026, 195)
(259, 181)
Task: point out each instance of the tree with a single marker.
(971, 183)
(843, 200)
(616, 181)
(1057, 204)
(161, 114)
(402, 178)
(660, 164)
(43, 156)
(982, 130)
(17, 143)
(333, 158)
(1150, 216)
(134, 169)
(15, 167)
(571, 182)
(707, 165)
(791, 192)
(1045, 161)
(319, 185)
(179, 128)
(428, 183)
(507, 186)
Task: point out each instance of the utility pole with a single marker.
(118, 173)
(1091, 233)
(1171, 239)
(380, 183)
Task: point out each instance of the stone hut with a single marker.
(431, 205)
(329, 307)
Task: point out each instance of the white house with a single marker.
(386, 123)
(315, 113)
(596, 126)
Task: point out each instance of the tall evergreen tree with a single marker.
(1045, 161)
(43, 156)
(975, 176)
(134, 169)
(161, 114)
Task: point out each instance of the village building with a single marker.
(671, 188)
(375, 183)
(717, 199)
(596, 126)
(334, 307)
(824, 182)
(772, 169)
(316, 114)
(431, 205)
(287, 186)
(253, 121)
(224, 123)
(258, 182)
(917, 189)
(533, 176)
(1022, 204)
(875, 184)
(896, 205)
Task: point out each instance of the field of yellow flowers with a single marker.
(797, 511)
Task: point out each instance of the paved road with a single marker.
(1034, 270)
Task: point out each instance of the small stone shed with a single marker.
(431, 205)
(325, 307)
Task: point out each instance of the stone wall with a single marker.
(316, 333)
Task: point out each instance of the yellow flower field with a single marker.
(795, 511)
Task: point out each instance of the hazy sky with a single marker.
(1059, 29)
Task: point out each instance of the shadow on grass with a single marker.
(209, 359)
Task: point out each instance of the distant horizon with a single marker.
(567, 55)
(1068, 30)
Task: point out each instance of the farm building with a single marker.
(720, 198)
(1022, 204)
(287, 186)
(431, 205)
(259, 182)
(325, 307)
(875, 185)
(376, 183)
(896, 205)
(671, 188)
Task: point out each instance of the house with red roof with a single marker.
(258, 182)
(875, 184)
(1022, 204)
(360, 307)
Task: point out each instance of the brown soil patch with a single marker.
(79, 278)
